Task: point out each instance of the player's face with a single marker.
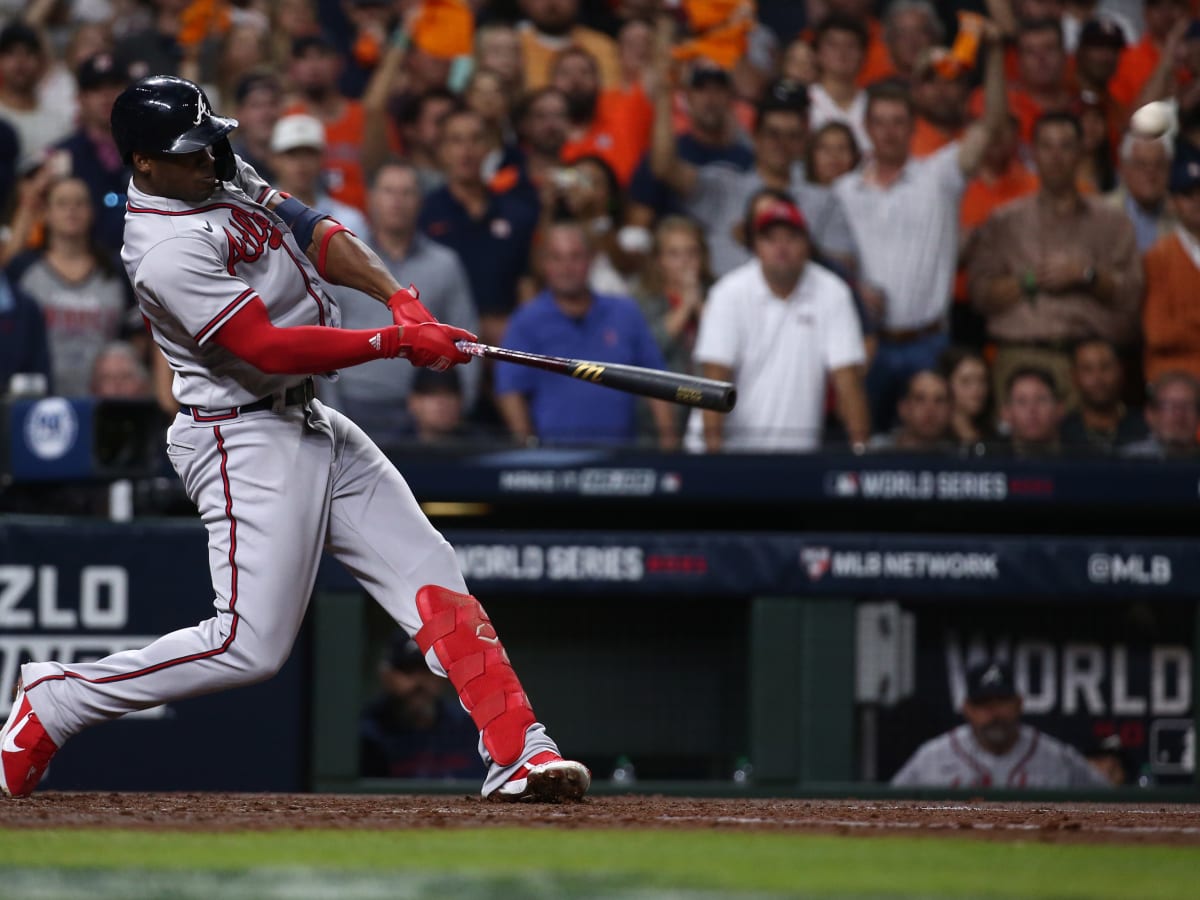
(190, 177)
(996, 723)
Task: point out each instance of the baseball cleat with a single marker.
(25, 749)
(545, 778)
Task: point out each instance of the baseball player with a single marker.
(993, 748)
(230, 277)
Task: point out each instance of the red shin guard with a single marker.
(462, 637)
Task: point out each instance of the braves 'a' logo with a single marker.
(202, 108)
(251, 234)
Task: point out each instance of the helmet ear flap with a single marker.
(224, 163)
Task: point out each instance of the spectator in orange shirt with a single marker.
(1041, 76)
(911, 28)
(608, 123)
(314, 74)
(550, 26)
(877, 64)
(940, 103)
(1139, 61)
(1170, 313)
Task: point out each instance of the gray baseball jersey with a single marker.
(955, 759)
(194, 267)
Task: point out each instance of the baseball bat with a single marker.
(689, 390)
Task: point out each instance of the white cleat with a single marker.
(545, 778)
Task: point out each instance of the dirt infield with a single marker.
(1086, 823)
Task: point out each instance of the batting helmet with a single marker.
(165, 114)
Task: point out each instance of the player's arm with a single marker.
(312, 349)
(339, 256)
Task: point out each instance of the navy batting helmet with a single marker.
(165, 114)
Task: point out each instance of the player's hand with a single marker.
(430, 345)
(251, 183)
(407, 308)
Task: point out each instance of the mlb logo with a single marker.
(841, 484)
(816, 561)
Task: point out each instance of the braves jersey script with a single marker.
(1037, 760)
(194, 267)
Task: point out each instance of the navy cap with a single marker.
(404, 653)
(992, 680)
(705, 73)
(784, 94)
(99, 70)
(18, 34)
(429, 381)
(1185, 169)
(1102, 32)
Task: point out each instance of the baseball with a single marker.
(1152, 120)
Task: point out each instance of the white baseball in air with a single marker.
(1152, 120)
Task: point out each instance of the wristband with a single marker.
(338, 226)
(301, 219)
(1029, 284)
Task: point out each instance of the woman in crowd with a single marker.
(84, 299)
(671, 293)
(832, 152)
(588, 192)
(971, 414)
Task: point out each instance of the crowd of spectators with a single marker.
(896, 226)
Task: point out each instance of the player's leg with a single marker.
(378, 531)
(261, 485)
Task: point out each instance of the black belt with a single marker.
(297, 395)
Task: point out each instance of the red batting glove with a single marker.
(407, 309)
(430, 345)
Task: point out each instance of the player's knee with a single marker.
(259, 663)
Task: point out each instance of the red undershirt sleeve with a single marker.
(303, 349)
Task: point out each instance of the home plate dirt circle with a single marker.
(1074, 822)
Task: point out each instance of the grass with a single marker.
(550, 863)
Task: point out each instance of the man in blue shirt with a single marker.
(491, 232)
(567, 319)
